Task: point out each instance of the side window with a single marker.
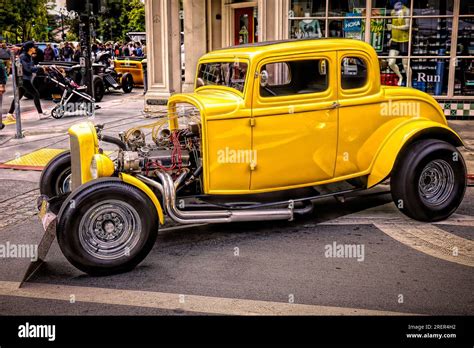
(294, 77)
(353, 73)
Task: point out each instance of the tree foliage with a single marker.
(23, 20)
(121, 17)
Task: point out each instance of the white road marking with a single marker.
(169, 301)
(424, 237)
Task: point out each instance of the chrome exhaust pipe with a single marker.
(210, 216)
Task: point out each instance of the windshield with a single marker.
(229, 74)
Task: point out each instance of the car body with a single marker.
(269, 128)
(131, 65)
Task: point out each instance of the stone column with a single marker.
(163, 52)
(195, 38)
(273, 19)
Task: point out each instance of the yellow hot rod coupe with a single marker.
(270, 128)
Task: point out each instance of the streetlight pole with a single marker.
(62, 26)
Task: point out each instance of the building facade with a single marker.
(424, 44)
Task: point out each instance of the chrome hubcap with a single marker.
(110, 230)
(436, 182)
(63, 184)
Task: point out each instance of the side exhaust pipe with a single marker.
(168, 190)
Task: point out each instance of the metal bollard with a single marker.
(17, 73)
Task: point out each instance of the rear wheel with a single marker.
(127, 83)
(429, 180)
(110, 227)
(56, 177)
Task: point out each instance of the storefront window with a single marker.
(339, 8)
(432, 7)
(413, 38)
(393, 7)
(430, 75)
(465, 37)
(464, 77)
(307, 28)
(467, 7)
(307, 8)
(431, 36)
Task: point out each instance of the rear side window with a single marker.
(294, 77)
(353, 73)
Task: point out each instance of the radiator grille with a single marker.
(75, 162)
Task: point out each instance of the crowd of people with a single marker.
(31, 55)
(70, 52)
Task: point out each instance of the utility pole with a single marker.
(85, 36)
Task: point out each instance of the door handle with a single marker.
(335, 105)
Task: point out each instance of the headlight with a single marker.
(101, 166)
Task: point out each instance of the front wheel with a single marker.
(99, 89)
(429, 180)
(108, 227)
(57, 112)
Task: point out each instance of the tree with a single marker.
(24, 19)
(121, 17)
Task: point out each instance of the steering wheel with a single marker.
(269, 91)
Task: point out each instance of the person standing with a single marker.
(29, 68)
(68, 52)
(3, 82)
(77, 53)
(126, 50)
(56, 52)
(48, 53)
(138, 50)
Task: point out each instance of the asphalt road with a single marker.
(277, 263)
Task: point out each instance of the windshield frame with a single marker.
(227, 88)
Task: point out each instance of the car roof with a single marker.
(289, 46)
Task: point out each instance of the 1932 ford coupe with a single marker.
(269, 128)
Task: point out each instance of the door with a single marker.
(244, 26)
(295, 117)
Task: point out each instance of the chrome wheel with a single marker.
(436, 182)
(110, 230)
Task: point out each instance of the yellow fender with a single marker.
(387, 154)
(143, 187)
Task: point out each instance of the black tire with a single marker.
(429, 180)
(99, 89)
(127, 83)
(53, 178)
(83, 209)
(57, 112)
